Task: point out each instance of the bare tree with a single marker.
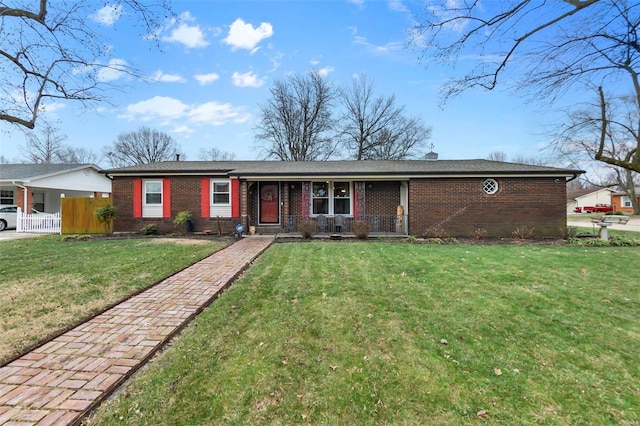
(374, 128)
(48, 147)
(606, 128)
(44, 148)
(142, 146)
(296, 122)
(627, 182)
(554, 46)
(49, 51)
(497, 156)
(215, 154)
(520, 159)
(71, 155)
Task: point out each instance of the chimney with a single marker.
(177, 157)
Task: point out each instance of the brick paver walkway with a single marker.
(60, 381)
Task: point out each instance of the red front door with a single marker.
(269, 203)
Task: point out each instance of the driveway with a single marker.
(13, 235)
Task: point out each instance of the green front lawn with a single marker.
(392, 333)
(47, 284)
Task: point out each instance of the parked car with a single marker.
(9, 216)
(598, 208)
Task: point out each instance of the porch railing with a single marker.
(378, 223)
(43, 223)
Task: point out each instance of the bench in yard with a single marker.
(609, 219)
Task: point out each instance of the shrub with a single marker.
(570, 232)
(616, 213)
(149, 229)
(105, 215)
(479, 233)
(308, 228)
(182, 219)
(451, 240)
(523, 233)
(411, 239)
(434, 240)
(434, 231)
(361, 229)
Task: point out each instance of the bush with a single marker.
(434, 231)
(523, 233)
(105, 215)
(182, 219)
(308, 228)
(149, 229)
(361, 229)
(479, 233)
(570, 233)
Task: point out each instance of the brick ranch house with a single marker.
(408, 197)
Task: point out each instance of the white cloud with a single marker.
(392, 46)
(247, 79)
(323, 72)
(171, 111)
(108, 15)
(244, 36)
(167, 78)
(183, 130)
(398, 6)
(189, 35)
(217, 114)
(115, 69)
(205, 79)
(158, 107)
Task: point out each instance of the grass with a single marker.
(392, 333)
(48, 284)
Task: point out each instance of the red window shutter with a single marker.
(235, 197)
(205, 197)
(137, 198)
(166, 198)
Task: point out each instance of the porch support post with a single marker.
(244, 204)
(358, 202)
(306, 202)
(284, 200)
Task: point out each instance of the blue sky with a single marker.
(216, 64)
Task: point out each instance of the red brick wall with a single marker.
(185, 195)
(381, 198)
(458, 207)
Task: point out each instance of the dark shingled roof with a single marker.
(341, 168)
(32, 171)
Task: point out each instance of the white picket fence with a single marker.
(44, 223)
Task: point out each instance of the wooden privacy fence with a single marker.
(78, 217)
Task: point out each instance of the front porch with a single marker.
(327, 207)
(378, 225)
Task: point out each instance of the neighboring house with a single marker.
(588, 197)
(40, 186)
(416, 197)
(622, 202)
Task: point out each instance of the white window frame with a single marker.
(4, 197)
(219, 209)
(213, 192)
(331, 197)
(145, 192)
(152, 209)
(626, 201)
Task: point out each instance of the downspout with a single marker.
(24, 194)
